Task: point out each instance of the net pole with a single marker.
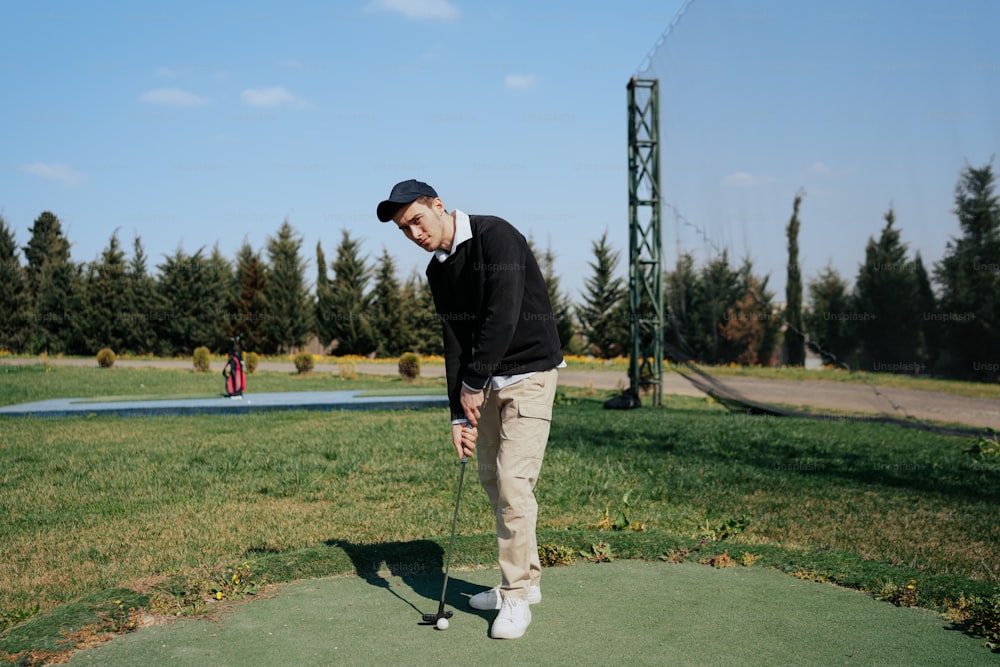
(646, 312)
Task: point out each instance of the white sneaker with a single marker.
(513, 619)
(492, 599)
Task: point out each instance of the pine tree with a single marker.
(351, 323)
(885, 293)
(744, 327)
(682, 290)
(829, 319)
(219, 293)
(249, 307)
(604, 314)
(562, 307)
(140, 306)
(190, 315)
(105, 290)
(969, 278)
(721, 289)
(193, 295)
(421, 321)
(289, 307)
(762, 310)
(795, 350)
(14, 295)
(388, 317)
(54, 287)
(47, 244)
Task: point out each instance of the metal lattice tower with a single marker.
(646, 313)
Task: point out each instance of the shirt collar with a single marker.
(463, 232)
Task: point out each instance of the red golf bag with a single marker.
(236, 379)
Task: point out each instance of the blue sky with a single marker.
(190, 124)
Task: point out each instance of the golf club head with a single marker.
(432, 619)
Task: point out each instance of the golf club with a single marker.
(432, 619)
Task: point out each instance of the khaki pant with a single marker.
(513, 431)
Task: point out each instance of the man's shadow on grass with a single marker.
(420, 565)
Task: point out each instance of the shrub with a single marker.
(304, 362)
(348, 369)
(202, 359)
(251, 359)
(106, 357)
(409, 366)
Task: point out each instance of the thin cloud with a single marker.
(421, 10)
(819, 168)
(520, 81)
(60, 173)
(744, 179)
(173, 97)
(265, 98)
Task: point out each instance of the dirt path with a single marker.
(928, 406)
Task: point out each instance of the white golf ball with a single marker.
(442, 624)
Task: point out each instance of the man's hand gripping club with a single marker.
(464, 435)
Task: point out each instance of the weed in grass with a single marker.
(621, 520)
(677, 555)
(747, 559)
(554, 555)
(900, 595)
(11, 617)
(712, 530)
(809, 574)
(981, 617)
(190, 593)
(986, 449)
(720, 561)
(599, 553)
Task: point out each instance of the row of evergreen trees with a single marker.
(891, 320)
(895, 320)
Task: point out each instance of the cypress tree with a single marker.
(795, 348)
(324, 302)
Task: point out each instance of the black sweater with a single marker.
(494, 309)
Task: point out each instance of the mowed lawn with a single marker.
(92, 503)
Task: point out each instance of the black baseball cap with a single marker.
(403, 193)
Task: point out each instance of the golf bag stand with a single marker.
(236, 379)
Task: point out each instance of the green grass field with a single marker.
(91, 504)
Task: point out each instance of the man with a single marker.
(501, 353)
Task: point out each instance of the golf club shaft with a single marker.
(451, 543)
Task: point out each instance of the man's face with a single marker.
(426, 223)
